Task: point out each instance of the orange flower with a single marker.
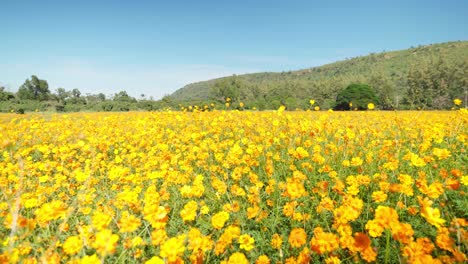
(263, 259)
(444, 241)
(297, 237)
(402, 232)
(323, 242)
(276, 241)
(361, 241)
(379, 196)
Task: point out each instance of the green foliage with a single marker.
(434, 84)
(227, 88)
(4, 95)
(356, 96)
(34, 89)
(443, 68)
(122, 96)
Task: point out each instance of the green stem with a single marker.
(387, 246)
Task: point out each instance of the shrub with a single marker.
(356, 96)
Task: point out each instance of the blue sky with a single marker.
(156, 47)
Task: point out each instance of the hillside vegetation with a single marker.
(425, 77)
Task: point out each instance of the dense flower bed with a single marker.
(235, 187)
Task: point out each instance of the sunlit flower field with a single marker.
(234, 187)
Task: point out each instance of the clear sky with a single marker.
(155, 47)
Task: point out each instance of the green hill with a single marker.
(425, 76)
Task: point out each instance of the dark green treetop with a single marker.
(356, 96)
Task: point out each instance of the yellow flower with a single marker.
(158, 236)
(300, 153)
(379, 196)
(432, 215)
(332, 260)
(312, 102)
(281, 109)
(370, 106)
(246, 242)
(464, 180)
(129, 222)
(457, 101)
(105, 242)
(375, 228)
(101, 220)
(219, 219)
(173, 248)
(441, 153)
(417, 161)
(51, 211)
(93, 259)
(155, 260)
(237, 258)
(295, 189)
(317, 108)
(72, 245)
(204, 210)
(190, 211)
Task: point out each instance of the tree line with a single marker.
(35, 95)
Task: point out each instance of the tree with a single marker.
(62, 95)
(34, 89)
(123, 96)
(101, 97)
(226, 88)
(356, 96)
(76, 93)
(76, 98)
(4, 95)
(384, 89)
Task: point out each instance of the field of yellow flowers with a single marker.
(234, 187)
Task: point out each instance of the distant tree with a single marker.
(226, 88)
(356, 96)
(432, 84)
(34, 89)
(62, 95)
(101, 97)
(123, 96)
(76, 93)
(76, 97)
(384, 89)
(4, 95)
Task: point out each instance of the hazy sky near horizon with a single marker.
(156, 47)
